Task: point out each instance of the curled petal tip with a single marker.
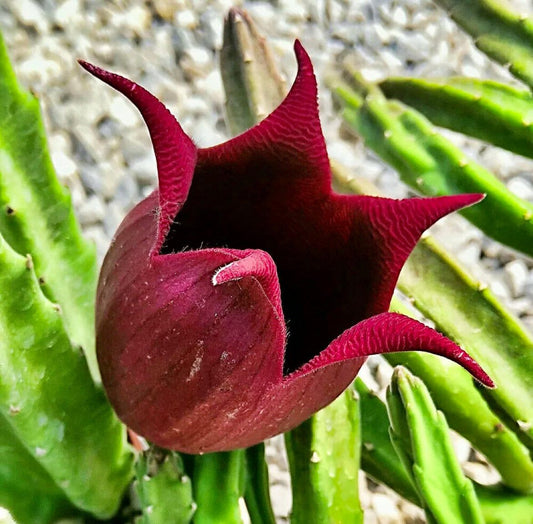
(256, 264)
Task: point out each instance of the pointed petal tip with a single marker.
(93, 69)
(473, 198)
(393, 332)
(304, 60)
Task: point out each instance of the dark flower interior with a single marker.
(272, 205)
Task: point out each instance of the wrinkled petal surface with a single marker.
(244, 295)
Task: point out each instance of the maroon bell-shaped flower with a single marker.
(243, 295)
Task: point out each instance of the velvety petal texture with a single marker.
(244, 295)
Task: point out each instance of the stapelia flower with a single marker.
(243, 295)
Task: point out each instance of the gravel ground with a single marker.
(101, 150)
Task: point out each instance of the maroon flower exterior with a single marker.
(243, 295)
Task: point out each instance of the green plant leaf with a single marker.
(421, 438)
(49, 403)
(163, 488)
(324, 455)
(500, 33)
(497, 113)
(36, 215)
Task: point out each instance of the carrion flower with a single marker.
(243, 295)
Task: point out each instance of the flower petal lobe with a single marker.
(174, 151)
(388, 333)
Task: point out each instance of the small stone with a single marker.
(137, 19)
(498, 285)
(211, 29)
(124, 112)
(96, 235)
(126, 194)
(385, 508)
(31, 14)
(197, 60)
(186, 18)
(91, 179)
(461, 446)
(66, 12)
(521, 188)
(166, 9)
(281, 500)
(144, 169)
(64, 165)
(516, 275)
(113, 216)
(91, 211)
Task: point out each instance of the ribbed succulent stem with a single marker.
(324, 463)
(497, 113)
(49, 403)
(61, 444)
(218, 484)
(257, 489)
(163, 488)
(36, 216)
(378, 457)
(421, 438)
(500, 33)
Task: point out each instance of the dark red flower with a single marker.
(244, 295)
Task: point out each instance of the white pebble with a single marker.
(91, 211)
(124, 112)
(521, 188)
(516, 275)
(64, 165)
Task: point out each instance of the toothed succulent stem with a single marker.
(252, 82)
(491, 111)
(218, 484)
(502, 34)
(74, 439)
(163, 488)
(324, 463)
(421, 438)
(36, 215)
(60, 438)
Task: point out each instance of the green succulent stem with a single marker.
(324, 459)
(36, 216)
(163, 488)
(257, 491)
(218, 484)
(420, 436)
(378, 457)
(251, 80)
(491, 111)
(500, 33)
(75, 438)
(380, 461)
(432, 165)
